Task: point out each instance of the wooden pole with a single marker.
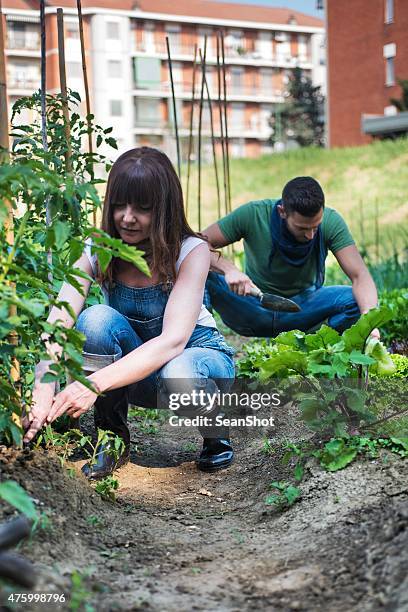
(217, 182)
(43, 98)
(87, 96)
(64, 93)
(226, 123)
(220, 109)
(200, 121)
(173, 95)
(190, 137)
(9, 224)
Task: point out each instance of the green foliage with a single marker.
(80, 595)
(285, 496)
(397, 327)
(323, 371)
(106, 488)
(12, 493)
(302, 115)
(30, 277)
(147, 420)
(401, 366)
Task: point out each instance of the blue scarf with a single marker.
(293, 252)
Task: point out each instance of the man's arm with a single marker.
(237, 281)
(364, 289)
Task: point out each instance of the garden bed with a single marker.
(178, 539)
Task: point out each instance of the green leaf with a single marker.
(98, 140)
(298, 471)
(401, 442)
(62, 231)
(292, 494)
(360, 359)
(283, 363)
(104, 259)
(337, 455)
(355, 337)
(15, 495)
(324, 337)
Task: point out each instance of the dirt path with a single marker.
(180, 540)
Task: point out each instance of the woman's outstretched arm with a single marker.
(43, 393)
(180, 318)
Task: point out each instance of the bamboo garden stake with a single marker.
(174, 107)
(217, 182)
(220, 110)
(9, 224)
(227, 164)
(190, 136)
(63, 82)
(87, 96)
(200, 123)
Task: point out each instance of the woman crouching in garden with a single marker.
(153, 336)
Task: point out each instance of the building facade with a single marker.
(129, 72)
(367, 53)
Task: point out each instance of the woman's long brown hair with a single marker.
(145, 177)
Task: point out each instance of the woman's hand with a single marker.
(75, 399)
(43, 395)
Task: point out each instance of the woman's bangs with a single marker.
(137, 188)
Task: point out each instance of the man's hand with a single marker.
(43, 395)
(239, 282)
(75, 399)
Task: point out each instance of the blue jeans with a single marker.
(247, 317)
(206, 362)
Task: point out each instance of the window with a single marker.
(173, 34)
(74, 70)
(389, 11)
(17, 34)
(147, 113)
(72, 30)
(236, 80)
(112, 30)
(114, 69)
(390, 51)
(116, 108)
(389, 71)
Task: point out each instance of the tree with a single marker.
(301, 118)
(402, 103)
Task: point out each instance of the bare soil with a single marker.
(177, 539)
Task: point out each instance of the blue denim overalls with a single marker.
(134, 316)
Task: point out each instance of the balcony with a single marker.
(183, 90)
(23, 43)
(255, 128)
(23, 84)
(235, 54)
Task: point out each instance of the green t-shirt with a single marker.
(252, 223)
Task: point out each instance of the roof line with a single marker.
(234, 23)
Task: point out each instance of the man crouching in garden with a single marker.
(286, 242)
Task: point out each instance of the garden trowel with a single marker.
(275, 302)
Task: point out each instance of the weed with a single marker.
(106, 488)
(94, 521)
(190, 447)
(285, 497)
(80, 595)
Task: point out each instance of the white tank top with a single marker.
(188, 244)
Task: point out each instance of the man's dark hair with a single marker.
(303, 195)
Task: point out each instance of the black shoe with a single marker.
(106, 463)
(217, 454)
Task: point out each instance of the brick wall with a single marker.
(356, 38)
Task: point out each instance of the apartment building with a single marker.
(367, 52)
(129, 72)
